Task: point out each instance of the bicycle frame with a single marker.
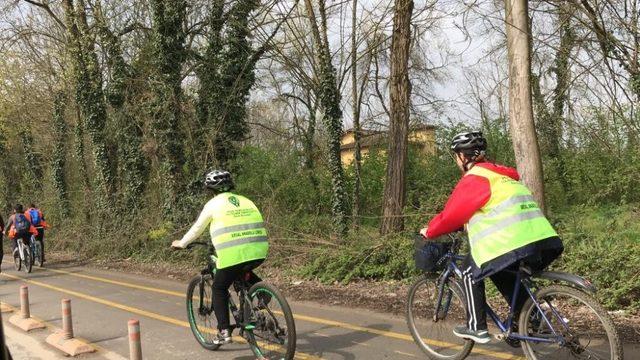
(20, 248)
(452, 269)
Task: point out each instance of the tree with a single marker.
(169, 54)
(226, 76)
(523, 133)
(131, 163)
(332, 115)
(89, 95)
(58, 162)
(399, 96)
(550, 121)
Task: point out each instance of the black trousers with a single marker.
(474, 292)
(222, 281)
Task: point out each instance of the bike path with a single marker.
(103, 301)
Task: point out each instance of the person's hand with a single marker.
(423, 232)
(176, 245)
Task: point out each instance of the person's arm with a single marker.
(469, 196)
(200, 225)
(1, 224)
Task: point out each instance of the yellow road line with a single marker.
(120, 283)
(149, 314)
(340, 324)
(404, 353)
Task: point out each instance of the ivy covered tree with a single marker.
(58, 162)
(332, 114)
(131, 164)
(33, 165)
(169, 54)
(89, 95)
(227, 74)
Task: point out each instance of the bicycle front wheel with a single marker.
(583, 328)
(202, 320)
(434, 334)
(274, 334)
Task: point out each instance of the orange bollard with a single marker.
(67, 324)
(24, 320)
(64, 340)
(135, 347)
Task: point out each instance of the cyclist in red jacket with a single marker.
(36, 217)
(505, 227)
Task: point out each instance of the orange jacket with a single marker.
(12, 228)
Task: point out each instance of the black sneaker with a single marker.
(479, 336)
(222, 337)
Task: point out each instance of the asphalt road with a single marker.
(103, 302)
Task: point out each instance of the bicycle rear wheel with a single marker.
(17, 262)
(28, 260)
(274, 335)
(37, 254)
(586, 327)
(434, 335)
(202, 320)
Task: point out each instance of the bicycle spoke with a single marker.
(584, 326)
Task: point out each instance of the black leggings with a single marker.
(223, 279)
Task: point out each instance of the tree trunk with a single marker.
(58, 162)
(332, 117)
(357, 183)
(89, 96)
(399, 93)
(523, 131)
(169, 54)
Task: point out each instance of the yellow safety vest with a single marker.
(238, 231)
(509, 220)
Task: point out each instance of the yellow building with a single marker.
(423, 137)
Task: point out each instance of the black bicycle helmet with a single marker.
(219, 180)
(470, 143)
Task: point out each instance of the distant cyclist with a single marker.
(19, 227)
(505, 226)
(36, 217)
(239, 237)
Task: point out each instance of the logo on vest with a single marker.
(234, 201)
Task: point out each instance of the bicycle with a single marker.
(557, 321)
(22, 256)
(262, 316)
(36, 250)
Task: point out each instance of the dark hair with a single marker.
(19, 208)
(33, 205)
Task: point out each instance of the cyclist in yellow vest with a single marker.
(504, 224)
(239, 237)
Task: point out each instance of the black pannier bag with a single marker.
(428, 253)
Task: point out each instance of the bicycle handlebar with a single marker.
(197, 243)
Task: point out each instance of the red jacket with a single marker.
(470, 194)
